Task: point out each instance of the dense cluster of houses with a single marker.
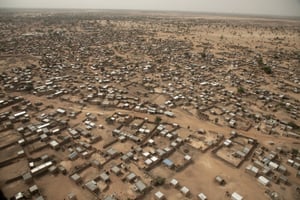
(131, 69)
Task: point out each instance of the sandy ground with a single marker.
(236, 36)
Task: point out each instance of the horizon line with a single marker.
(158, 11)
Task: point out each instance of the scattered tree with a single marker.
(241, 90)
(260, 61)
(267, 69)
(216, 120)
(158, 181)
(263, 66)
(295, 151)
(157, 120)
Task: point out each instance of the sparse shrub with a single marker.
(241, 90)
(295, 151)
(157, 181)
(267, 69)
(157, 120)
(260, 61)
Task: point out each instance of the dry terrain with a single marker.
(162, 96)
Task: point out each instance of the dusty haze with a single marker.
(259, 7)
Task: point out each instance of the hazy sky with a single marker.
(262, 7)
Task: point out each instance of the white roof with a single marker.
(187, 157)
(159, 195)
(154, 158)
(174, 182)
(273, 165)
(290, 161)
(227, 142)
(146, 154)
(40, 167)
(20, 114)
(184, 190)
(148, 161)
(202, 196)
(264, 181)
(236, 196)
(53, 143)
(254, 169)
(151, 141)
(19, 195)
(60, 110)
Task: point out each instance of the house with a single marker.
(185, 191)
(19, 114)
(227, 142)
(92, 186)
(125, 158)
(75, 134)
(41, 168)
(232, 123)
(27, 177)
(96, 164)
(282, 169)
(273, 165)
(104, 177)
(53, 169)
(298, 174)
(262, 180)
(33, 189)
(21, 153)
(201, 196)
(148, 162)
(62, 169)
(61, 111)
(110, 197)
(44, 137)
(73, 156)
(45, 158)
(131, 177)
(54, 144)
(122, 138)
(266, 170)
(169, 114)
(116, 170)
(112, 153)
(151, 142)
(159, 195)
(76, 178)
(290, 162)
(296, 165)
(19, 196)
(252, 170)
(187, 158)
(72, 196)
(283, 179)
(154, 159)
(258, 164)
(174, 183)
(169, 163)
(141, 187)
(160, 152)
(236, 196)
(40, 198)
(220, 180)
(95, 139)
(21, 142)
